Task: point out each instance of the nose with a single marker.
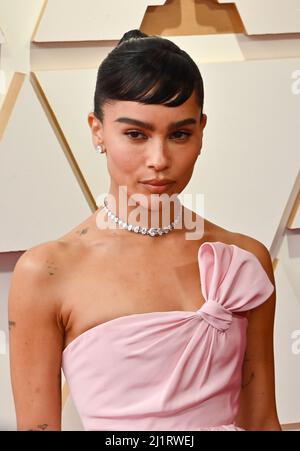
(157, 156)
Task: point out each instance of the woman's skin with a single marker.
(90, 275)
(137, 153)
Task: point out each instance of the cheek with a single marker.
(186, 160)
(121, 159)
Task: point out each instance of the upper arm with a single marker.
(35, 341)
(257, 409)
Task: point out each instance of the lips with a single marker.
(156, 182)
(157, 188)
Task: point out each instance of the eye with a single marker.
(181, 135)
(133, 134)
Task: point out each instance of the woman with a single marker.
(154, 330)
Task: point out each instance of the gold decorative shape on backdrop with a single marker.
(189, 17)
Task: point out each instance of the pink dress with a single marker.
(171, 370)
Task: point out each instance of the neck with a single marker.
(156, 214)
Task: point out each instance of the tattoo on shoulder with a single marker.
(51, 267)
(11, 324)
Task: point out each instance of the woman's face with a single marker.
(144, 142)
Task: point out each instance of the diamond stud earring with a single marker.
(100, 148)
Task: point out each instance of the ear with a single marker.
(203, 121)
(96, 127)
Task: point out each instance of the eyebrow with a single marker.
(147, 125)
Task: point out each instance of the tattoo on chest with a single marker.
(83, 231)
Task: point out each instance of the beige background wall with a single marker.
(50, 175)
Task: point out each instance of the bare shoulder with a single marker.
(51, 258)
(50, 262)
(40, 261)
(37, 278)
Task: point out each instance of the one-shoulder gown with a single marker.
(171, 370)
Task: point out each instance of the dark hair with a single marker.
(147, 69)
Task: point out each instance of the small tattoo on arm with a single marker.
(248, 382)
(11, 324)
(43, 427)
(248, 373)
(40, 427)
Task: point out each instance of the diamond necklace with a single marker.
(152, 231)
